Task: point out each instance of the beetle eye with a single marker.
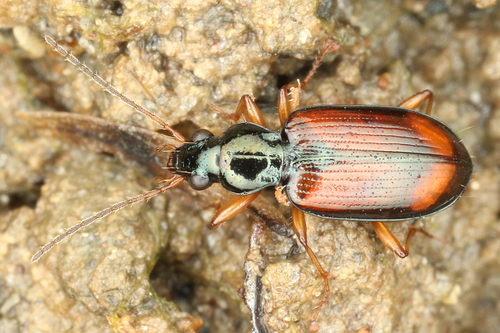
(199, 182)
(201, 134)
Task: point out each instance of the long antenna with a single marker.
(109, 88)
(171, 183)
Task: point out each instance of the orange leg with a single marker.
(299, 224)
(247, 108)
(233, 207)
(286, 103)
(416, 100)
(389, 240)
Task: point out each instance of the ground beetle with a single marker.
(346, 162)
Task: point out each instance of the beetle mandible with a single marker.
(347, 162)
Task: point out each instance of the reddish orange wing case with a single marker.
(373, 163)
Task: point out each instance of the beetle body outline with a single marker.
(202, 165)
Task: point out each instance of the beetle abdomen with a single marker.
(372, 163)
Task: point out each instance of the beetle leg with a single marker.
(215, 108)
(299, 224)
(246, 107)
(330, 46)
(265, 211)
(233, 207)
(250, 110)
(389, 240)
(286, 104)
(416, 100)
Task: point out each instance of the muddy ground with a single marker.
(158, 266)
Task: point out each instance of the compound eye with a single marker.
(201, 134)
(199, 182)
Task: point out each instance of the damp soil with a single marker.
(158, 266)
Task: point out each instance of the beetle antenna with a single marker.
(109, 88)
(172, 182)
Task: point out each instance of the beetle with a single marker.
(346, 162)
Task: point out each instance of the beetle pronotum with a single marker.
(348, 162)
